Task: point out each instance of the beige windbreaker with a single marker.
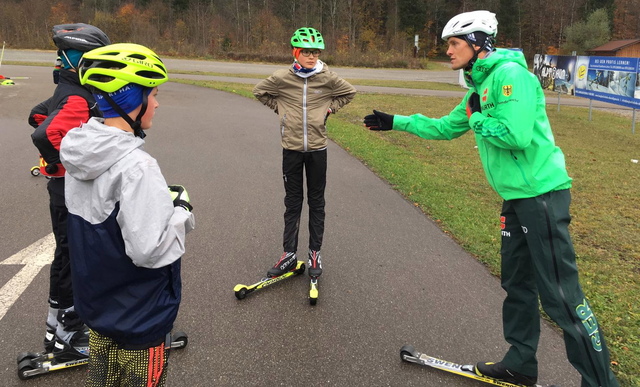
(302, 104)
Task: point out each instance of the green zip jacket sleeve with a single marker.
(448, 127)
(508, 126)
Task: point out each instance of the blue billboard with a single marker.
(603, 78)
(609, 79)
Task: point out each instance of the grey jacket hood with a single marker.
(88, 151)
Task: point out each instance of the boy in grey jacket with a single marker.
(303, 96)
(128, 228)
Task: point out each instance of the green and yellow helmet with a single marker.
(307, 37)
(112, 67)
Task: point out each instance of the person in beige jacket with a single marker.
(303, 96)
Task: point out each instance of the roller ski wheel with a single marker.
(32, 364)
(179, 340)
(313, 291)
(409, 354)
(26, 369)
(241, 291)
(35, 171)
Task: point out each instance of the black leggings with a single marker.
(60, 292)
(315, 166)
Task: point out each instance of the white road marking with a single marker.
(33, 258)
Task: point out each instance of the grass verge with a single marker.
(445, 180)
(361, 82)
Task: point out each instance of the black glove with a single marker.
(51, 168)
(473, 104)
(180, 197)
(379, 121)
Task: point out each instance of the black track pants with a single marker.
(60, 292)
(315, 166)
(538, 260)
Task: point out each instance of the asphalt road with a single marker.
(391, 276)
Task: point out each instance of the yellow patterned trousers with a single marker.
(112, 366)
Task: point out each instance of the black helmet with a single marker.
(79, 36)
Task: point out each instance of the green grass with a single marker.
(19, 63)
(445, 180)
(361, 82)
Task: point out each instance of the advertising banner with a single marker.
(556, 72)
(609, 79)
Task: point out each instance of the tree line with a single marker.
(357, 32)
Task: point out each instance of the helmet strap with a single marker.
(473, 59)
(487, 45)
(137, 130)
(135, 125)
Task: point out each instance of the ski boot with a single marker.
(500, 372)
(73, 346)
(72, 337)
(286, 262)
(286, 267)
(315, 270)
(409, 354)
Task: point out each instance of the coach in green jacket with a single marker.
(505, 108)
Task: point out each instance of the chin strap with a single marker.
(135, 125)
(473, 59)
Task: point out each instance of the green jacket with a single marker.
(515, 142)
(302, 105)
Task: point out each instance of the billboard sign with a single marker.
(609, 79)
(555, 72)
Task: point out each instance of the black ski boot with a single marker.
(499, 371)
(287, 262)
(75, 347)
(72, 337)
(315, 264)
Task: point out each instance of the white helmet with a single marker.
(468, 22)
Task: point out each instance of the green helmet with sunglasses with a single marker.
(307, 37)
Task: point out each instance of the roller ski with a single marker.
(410, 355)
(64, 356)
(315, 270)
(287, 266)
